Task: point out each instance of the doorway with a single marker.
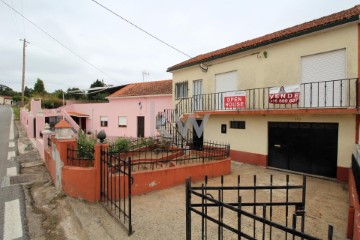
(140, 126)
(306, 147)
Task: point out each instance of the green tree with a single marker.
(58, 93)
(39, 87)
(95, 95)
(71, 95)
(28, 92)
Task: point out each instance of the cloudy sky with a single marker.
(80, 41)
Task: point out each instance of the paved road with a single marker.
(12, 207)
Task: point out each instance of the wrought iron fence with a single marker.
(257, 211)
(81, 156)
(166, 124)
(151, 153)
(115, 185)
(340, 93)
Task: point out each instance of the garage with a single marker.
(306, 147)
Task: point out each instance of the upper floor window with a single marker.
(181, 90)
(103, 121)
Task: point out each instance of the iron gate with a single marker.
(262, 214)
(115, 185)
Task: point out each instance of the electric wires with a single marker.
(141, 29)
(57, 41)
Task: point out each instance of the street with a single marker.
(12, 209)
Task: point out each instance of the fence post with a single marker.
(188, 211)
(97, 162)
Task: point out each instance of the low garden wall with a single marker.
(84, 182)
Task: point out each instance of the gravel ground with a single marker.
(161, 214)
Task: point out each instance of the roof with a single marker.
(6, 97)
(77, 114)
(346, 16)
(145, 88)
(63, 124)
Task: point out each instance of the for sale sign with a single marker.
(235, 99)
(284, 94)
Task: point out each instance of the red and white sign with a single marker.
(284, 94)
(235, 100)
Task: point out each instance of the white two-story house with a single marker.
(286, 100)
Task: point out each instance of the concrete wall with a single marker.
(84, 182)
(254, 139)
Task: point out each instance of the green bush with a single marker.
(122, 144)
(85, 145)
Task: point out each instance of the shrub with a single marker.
(122, 144)
(85, 145)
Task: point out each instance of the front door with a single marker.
(197, 91)
(198, 141)
(140, 126)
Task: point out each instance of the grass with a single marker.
(16, 112)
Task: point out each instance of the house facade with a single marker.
(131, 111)
(286, 100)
(6, 100)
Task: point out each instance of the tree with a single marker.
(97, 96)
(28, 92)
(58, 93)
(98, 83)
(39, 87)
(71, 95)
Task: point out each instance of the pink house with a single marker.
(131, 111)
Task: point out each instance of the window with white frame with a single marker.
(181, 90)
(103, 121)
(122, 121)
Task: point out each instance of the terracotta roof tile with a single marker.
(63, 124)
(342, 17)
(77, 114)
(145, 88)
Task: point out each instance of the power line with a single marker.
(141, 29)
(60, 43)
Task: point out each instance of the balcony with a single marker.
(334, 94)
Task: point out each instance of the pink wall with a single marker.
(128, 107)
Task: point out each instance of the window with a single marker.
(181, 90)
(237, 124)
(223, 128)
(122, 121)
(103, 121)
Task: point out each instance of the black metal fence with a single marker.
(340, 93)
(356, 172)
(80, 156)
(247, 212)
(115, 186)
(166, 124)
(151, 154)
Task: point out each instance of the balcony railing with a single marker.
(340, 93)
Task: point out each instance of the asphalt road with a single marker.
(12, 207)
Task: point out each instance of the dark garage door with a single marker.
(304, 147)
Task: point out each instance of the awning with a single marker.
(77, 114)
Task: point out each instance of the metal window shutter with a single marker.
(225, 82)
(315, 70)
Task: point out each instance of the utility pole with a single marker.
(23, 72)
